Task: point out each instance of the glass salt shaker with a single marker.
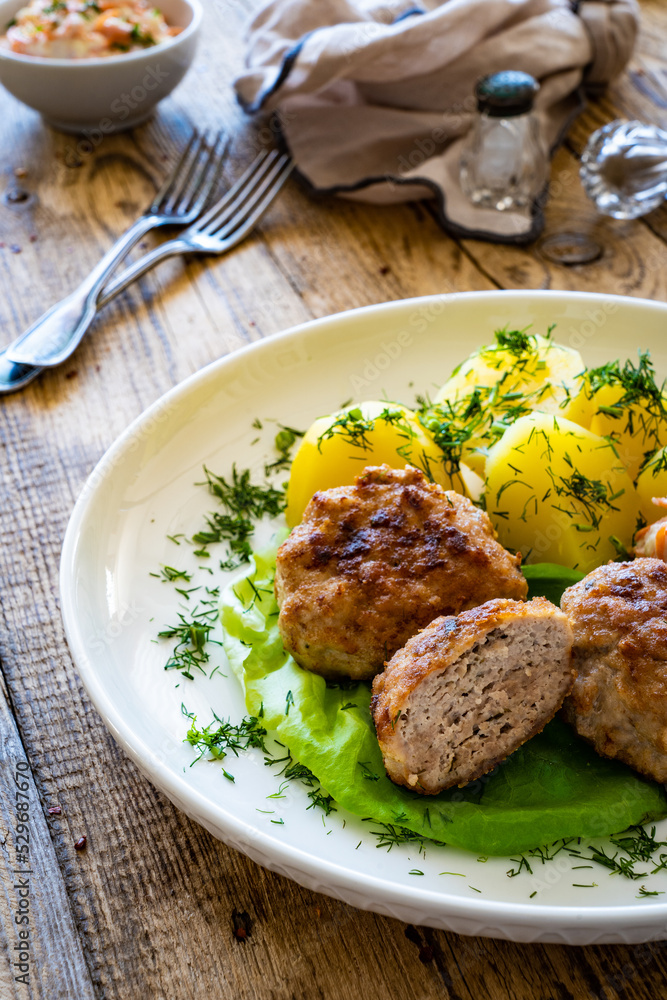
(624, 168)
(503, 163)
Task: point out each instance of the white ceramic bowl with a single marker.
(142, 495)
(97, 96)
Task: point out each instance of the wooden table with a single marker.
(148, 909)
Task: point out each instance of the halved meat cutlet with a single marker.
(467, 691)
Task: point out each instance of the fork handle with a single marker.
(56, 334)
(171, 248)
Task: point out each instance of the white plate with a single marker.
(142, 491)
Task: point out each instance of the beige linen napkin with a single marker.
(374, 97)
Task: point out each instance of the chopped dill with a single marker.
(635, 846)
(353, 427)
(640, 408)
(522, 864)
(294, 771)
(657, 462)
(224, 738)
(168, 574)
(541, 854)
(592, 497)
(243, 504)
(643, 892)
(477, 419)
(622, 554)
(548, 853)
(639, 843)
(390, 835)
(318, 800)
(516, 342)
(284, 441)
(193, 635)
(624, 866)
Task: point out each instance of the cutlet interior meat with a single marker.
(467, 691)
(373, 563)
(619, 700)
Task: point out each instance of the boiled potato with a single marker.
(500, 383)
(652, 482)
(558, 493)
(337, 448)
(624, 404)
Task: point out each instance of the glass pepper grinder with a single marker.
(503, 163)
(624, 168)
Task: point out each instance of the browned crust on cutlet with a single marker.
(619, 701)
(373, 563)
(438, 649)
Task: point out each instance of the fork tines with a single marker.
(186, 190)
(247, 199)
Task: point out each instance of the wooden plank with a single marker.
(43, 955)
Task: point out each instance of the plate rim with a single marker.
(543, 917)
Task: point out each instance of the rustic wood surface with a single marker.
(147, 909)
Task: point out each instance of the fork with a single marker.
(223, 226)
(220, 229)
(179, 201)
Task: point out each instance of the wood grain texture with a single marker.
(42, 954)
(153, 896)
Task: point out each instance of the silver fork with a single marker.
(223, 226)
(217, 231)
(179, 201)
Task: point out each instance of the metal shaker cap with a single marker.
(506, 94)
